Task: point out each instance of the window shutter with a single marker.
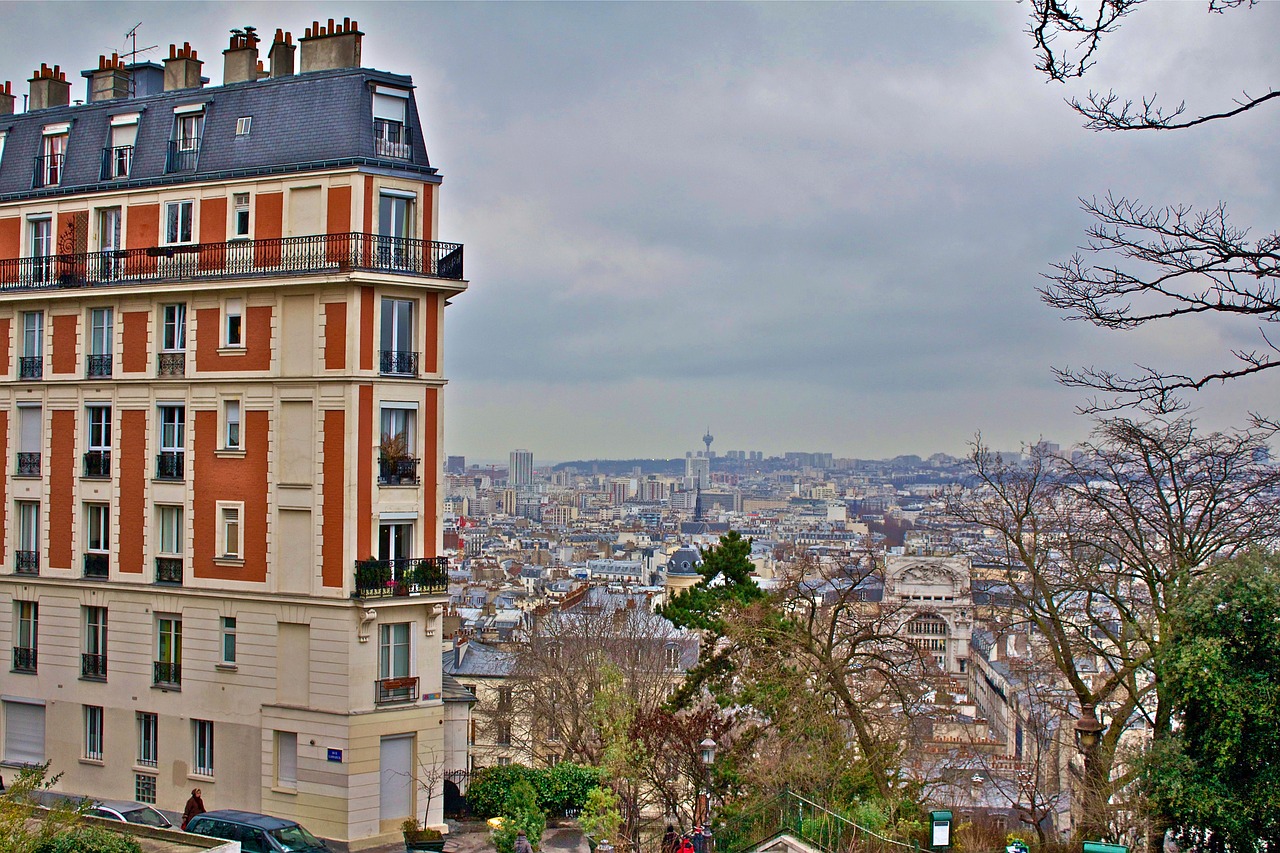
(287, 759)
(23, 733)
(389, 108)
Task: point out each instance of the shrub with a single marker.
(88, 839)
(520, 812)
(488, 791)
(600, 816)
(564, 787)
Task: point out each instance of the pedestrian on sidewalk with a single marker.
(670, 840)
(195, 806)
(522, 843)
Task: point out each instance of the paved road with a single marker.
(473, 837)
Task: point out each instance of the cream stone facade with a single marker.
(934, 599)
(221, 427)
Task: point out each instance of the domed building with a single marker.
(681, 571)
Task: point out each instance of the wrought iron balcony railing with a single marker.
(171, 364)
(169, 570)
(117, 162)
(391, 139)
(97, 464)
(392, 690)
(30, 367)
(398, 362)
(26, 562)
(93, 666)
(183, 155)
(98, 366)
(24, 659)
(167, 674)
(170, 465)
(321, 253)
(97, 565)
(399, 578)
(398, 471)
(28, 465)
(48, 171)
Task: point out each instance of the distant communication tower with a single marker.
(707, 439)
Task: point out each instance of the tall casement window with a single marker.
(233, 330)
(173, 437)
(30, 440)
(202, 735)
(394, 664)
(397, 464)
(168, 663)
(390, 133)
(31, 357)
(231, 541)
(184, 148)
(41, 232)
(117, 160)
(93, 732)
(101, 341)
(26, 620)
(395, 540)
(27, 558)
(97, 540)
(170, 547)
(108, 262)
(228, 640)
(93, 660)
(53, 152)
(239, 215)
(172, 358)
(97, 459)
(399, 356)
(231, 422)
(148, 739)
(178, 216)
(395, 230)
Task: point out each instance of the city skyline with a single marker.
(808, 226)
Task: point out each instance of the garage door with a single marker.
(23, 733)
(396, 777)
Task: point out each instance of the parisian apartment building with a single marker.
(221, 315)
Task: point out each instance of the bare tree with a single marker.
(1148, 264)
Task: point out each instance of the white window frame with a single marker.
(28, 516)
(244, 124)
(171, 531)
(174, 635)
(93, 732)
(188, 127)
(228, 641)
(102, 330)
(173, 427)
(54, 145)
(395, 652)
(173, 324)
(392, 308)
(97, 528)
(26, 617)
(32, 334)
(241, 216)
(230, 530)
(287, 760)
(233, 332)
(40, 235)
(101, 425)
(148, 739)
(95, 629)
(179, 227)
(232, 424)
(202, 747)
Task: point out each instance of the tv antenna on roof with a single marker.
(131, 56)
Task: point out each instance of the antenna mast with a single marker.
(131, 56)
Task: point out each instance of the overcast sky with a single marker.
(809, 227)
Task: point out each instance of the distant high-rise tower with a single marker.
(521, 471)
(707, 439)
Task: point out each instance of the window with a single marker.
(231, 416)
(23, 732)
(118, 158)
(97, 461)
(390, 136)
(28, 555)
(109, 229)
(97, 540)
(230, 541)
(3, 135)
(26, 637)
(187, 131)
(93, 732)
(49, 173)
(671, 656)
(174, 334)
(398, 355)
(233, 332)
(287, 759)
(170, 530)
(503, 733)
(94, 658)
(243, 124)
(173, 426)
(393, 650)
(228, 639)
(395, 227)
(395, 540)
(177, 218)
(32, 334)
(30, 438)
(240, 215)
(202, 733)
(41, 230)
(396, 462)
(144, 788)
(168, 669)
(100, 331)
(148, 740)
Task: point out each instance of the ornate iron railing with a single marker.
(398, 472)
(183, 155)
(24, 659)
(26, 562)
(28, 465)
(398, 362)
(171, 364)
(93, 666)
(389, 690)
(399, 578)
(170, 465)
(30, 367)
(321, 253)
(169, 570)
(117, 162)
(167, 673)
(98, 366)
(97, 565)
(48, 171)
(97, 464)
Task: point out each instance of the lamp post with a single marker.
(1088, 736)
(702, 839)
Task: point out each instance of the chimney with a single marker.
(110, 81)
(7, 99)
(240, 60)
(333, 46)
(282, 54)
(182, 68)
(49, 88)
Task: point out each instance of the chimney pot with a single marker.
(6, 99)
(49, 88)
(282, 55)
(337, 46)
(182, 69)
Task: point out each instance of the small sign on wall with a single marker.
(335, 755)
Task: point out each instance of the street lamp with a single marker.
(1088, 729)
(708, 747)
(702, 841)
(1088, 736)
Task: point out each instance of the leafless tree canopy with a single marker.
(1150, 264)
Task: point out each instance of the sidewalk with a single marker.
(473, 837)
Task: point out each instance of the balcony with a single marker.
(169, 570)
(397, 363)
(171, 364)
(391, 139)
(97, 565)
(48, 171)
(30, 367)
(24, 659)
(167, 674)
(97, 465)
(98, 366)
(26, 562)
(170, 465)
(286, 256)
(401, 578)
(183, 155)
(28, 465)
(398, 471)
(388, 691)
(117, 162)
(93, 667)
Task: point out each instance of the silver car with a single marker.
(130, 812)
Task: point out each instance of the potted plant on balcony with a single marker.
(393, 457)
(418, 838)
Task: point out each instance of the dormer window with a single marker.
(117, 157)
(243, 124)
(390, 125)
(184, 149)
(53, 150)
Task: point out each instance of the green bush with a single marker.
(487, 793)
(601, 818)
(557, 789)
(88, 839)
(520, 811)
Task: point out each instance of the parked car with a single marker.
(130, 812)
(257, 833)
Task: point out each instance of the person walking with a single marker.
(670, 840)
(522, 843)
(195, 806)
